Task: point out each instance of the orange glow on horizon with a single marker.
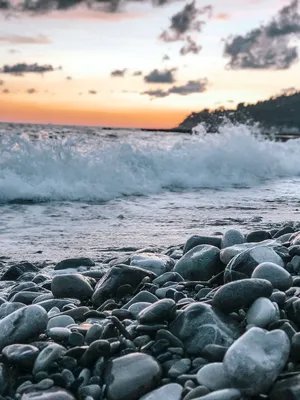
(126, 118)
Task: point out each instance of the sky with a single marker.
(142, 63)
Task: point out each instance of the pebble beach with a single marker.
(214, 319)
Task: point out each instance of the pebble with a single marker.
(60, 321)
(141, 297)
(71, 285)
(197, 240)
(239, 294)
(131, 376)
(46, 357)
(157, 263)
(23, 324)
(136, 308)
(172, 391)
(54, 393)
(254, 361)
(158, 312)
(74, 263)
(213, 376)
(224, 394)
(200, 263)
(231, 238)
(22, 355)
(278, 276)
(261, 313)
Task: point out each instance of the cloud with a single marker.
(31, 91)
(118, 73)
(137, 73)
(166, 57)
(23, 68)
(185, 22)
(269, 46)
(190, 47)
(92, 92)
(20, 39)
(190, 87)
(157, 76)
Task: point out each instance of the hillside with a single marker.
(280, 114)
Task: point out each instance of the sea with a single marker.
(68, 191)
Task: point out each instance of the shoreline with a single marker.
(175, 323)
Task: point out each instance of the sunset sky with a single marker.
(126, 67)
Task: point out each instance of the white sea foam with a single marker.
(56, 169)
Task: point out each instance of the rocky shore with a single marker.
(215, 319)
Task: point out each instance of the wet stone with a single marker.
(22, 355)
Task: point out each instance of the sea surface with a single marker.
(84, 191)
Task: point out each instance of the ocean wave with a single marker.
(64, 170)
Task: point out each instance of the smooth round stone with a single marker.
(261, 313)
(243, 265)
(59, 334)
(241, 294)
(232, 237)
(54, 393)
(4, 378)
(141, 297)
(53, 312)
(255, 360)
(74, 263)
(196, 393)
(154, 262)
(94, 391)
(136, 308)
(171, 391)
(130, 377)
(168, 277)
(200, 263)
(94, 333)
(8, 308)
(199, 325)
(22, 355)
(71, 285)
(22, 325)
(278, 276)
(213, 376)
(224, 394)
(160, 311)
(60, 321)
(179, 368)
(258, 236)
(46, 357)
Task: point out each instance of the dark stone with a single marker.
(241, 294)
(74, 263)
(59, 303)
(16, 270)
(154, 262)
(131, 376)
(168, 277)
(71, 285)
(99, 348)
(258, 236)
(199, 325)
(197, 240)
(286, 389)
(242, 265)
(200, 263)
(54, 393)
(214, 352)
(115, 277)
(21, 355)
(158, 312)
(51, 353)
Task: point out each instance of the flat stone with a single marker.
(136, 308)
(240, 294)
(60, 321)
(255, 360)
(232, 237)
(59, 303)
(243, 265)
(130, 377)
(23, 324)
(213, 376)
(115, 277)
(200, 263)
(74, 263)
(171, 391)
(141, 297)
(258, 236)
(71, 285)
(278, 276)
(54, 393)
(223, 394)
(59, 334)
(261, 313)
(199, 325)
(168, 277)
(157, 263)
(180, 367)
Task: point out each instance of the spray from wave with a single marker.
(58, 170)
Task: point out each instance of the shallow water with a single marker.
(85, 191)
